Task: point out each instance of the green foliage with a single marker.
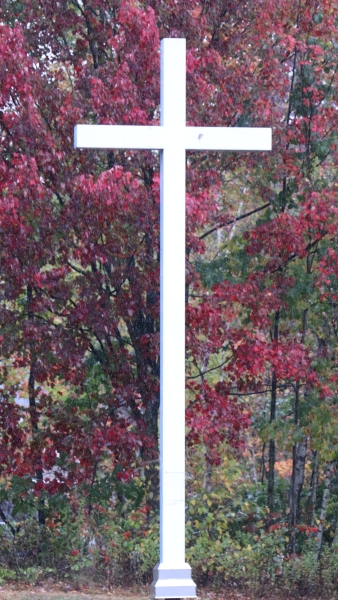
(229, 538)
(89, 335)
(100, 544)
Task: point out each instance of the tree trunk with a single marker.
(152, 468)
(272, 444)
(34, 416)
(327, 482)
(207, 476)
(297, 480)
(298, 456)
(35, 432)
(334, 525)
(263, 470)
(253, 463)
(272, 448)
(314, 487)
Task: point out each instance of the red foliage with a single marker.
(79, 248)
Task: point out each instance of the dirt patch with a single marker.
(46, 592)
(65, 592)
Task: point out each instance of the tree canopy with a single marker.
(79, 247)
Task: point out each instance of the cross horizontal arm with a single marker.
(124, 137)
(143, 137)
(228, 138)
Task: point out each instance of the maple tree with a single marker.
(289, 332)
(79, 248)
(81, 238)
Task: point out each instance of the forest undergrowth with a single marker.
(80, 298)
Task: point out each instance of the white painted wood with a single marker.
(172, 577)
(233, 139)
(124, 137)
(141, 137)
(172, 318)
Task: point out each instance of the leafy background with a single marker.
(79, 294)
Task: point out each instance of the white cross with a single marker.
(172, 577)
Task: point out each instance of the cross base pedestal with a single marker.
(172, 581)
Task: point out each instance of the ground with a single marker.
(64, 592)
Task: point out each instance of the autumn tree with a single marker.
(80, 235)
(79, 249)
(277, 281)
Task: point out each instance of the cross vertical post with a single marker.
(172, 308)
(172, 576)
